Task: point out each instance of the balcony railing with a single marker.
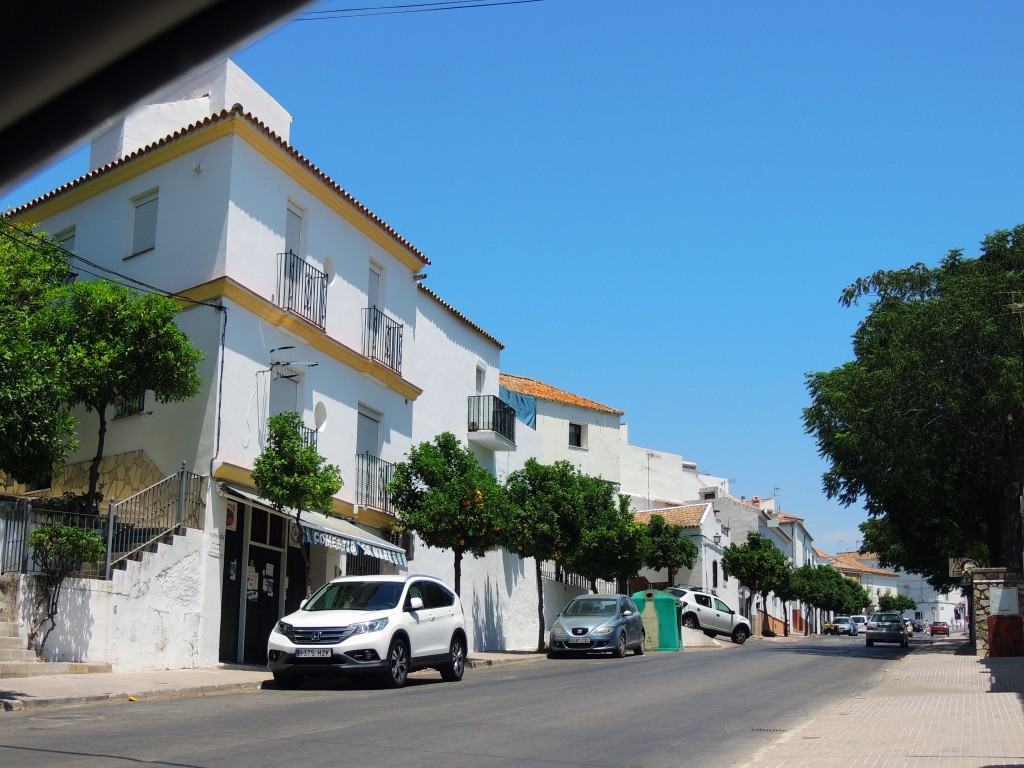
(382, 339)
(301, 288)
(372, 478)
(489, 413)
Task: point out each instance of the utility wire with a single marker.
(393, 10)
(43, 244)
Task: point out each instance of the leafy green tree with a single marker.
(59, 551)
(822, 586)
(115, 345)
(544, 519)
(443, 494)
(758, 564)
(924, 425)
(36, 426)
(898, 603)
(855, 597)
(612, 544)
(668, 547)
(291, 474)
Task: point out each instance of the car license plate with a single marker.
(579, 640)
(313, 653)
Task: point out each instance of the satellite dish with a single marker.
(744, 593)
(319, 415)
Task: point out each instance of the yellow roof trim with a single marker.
(225, 287)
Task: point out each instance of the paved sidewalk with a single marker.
(20, 693)
(940, 707)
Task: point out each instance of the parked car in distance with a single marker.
(910, 626)
(861, 620)
(598, 624)
(712, 615)
(938, 628)
(842, 625)
(886, 628)
(918, 626)
(385, 625)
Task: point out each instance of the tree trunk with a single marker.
(764, 612)
(540, 607)
(305, 554)
(91, 502)
(1005, 533)
(458, 572)
(593, 585)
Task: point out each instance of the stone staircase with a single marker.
(16, 661)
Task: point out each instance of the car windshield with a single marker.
(356, 596)
(841, 619)
(886, 618)
(592, 607)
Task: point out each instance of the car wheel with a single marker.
(453, 670)
(398, 664)
(690, 621)
(869, 643)
(642, 647)
(620, 646)
(287, 680)
(740, 635)
(904, 643)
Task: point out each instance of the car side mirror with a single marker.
(415, 603)
(302, 602)
(627, 612)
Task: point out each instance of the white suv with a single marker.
(710, 614)
(388, 625)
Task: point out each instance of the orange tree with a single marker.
(443, 494)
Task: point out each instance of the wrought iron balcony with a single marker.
(382, 339)
(492, 423)
(372, 477)
(301, 288)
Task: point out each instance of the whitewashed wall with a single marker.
(155, 614)
(600, 457)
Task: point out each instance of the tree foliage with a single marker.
(924, 425)
(59, 551)
(668, 547)
(898, 603)
(115, 345)
(612, 544)
(759, 565)
(443, 494)
(36, 425)
(291, 474)
(544, 519)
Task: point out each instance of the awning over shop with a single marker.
(327, 531)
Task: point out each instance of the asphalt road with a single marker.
(661, 710)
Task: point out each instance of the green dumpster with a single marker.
(662, 619)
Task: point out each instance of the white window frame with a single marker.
(144, 229)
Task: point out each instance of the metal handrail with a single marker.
(372, 477)
(491, 413)
(382, 338)
(302, 288)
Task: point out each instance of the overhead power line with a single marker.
(393, 10)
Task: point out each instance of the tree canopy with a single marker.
(668, 547)
(291, 473)
(443, 494)
(760, 565)
(924, 425)
(115, 345)
(36, 424)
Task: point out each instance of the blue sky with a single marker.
(655, 204)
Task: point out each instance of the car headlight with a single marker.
(371, 626)
(558, 630)
(284, 628)
(605, 630)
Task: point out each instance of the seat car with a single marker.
(938, 628)
(384, 625)
(710, 614)
(886, 628)
(843, 625)
(598, 624)
(918, 626)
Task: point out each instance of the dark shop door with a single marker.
(263, 579)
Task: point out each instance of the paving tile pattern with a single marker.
(934, 709)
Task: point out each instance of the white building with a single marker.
(302, 299)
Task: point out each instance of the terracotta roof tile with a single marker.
(787, 518)
(542, 391)
(236, 111)
(852, 561)
(459, 315)
(688, 517)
